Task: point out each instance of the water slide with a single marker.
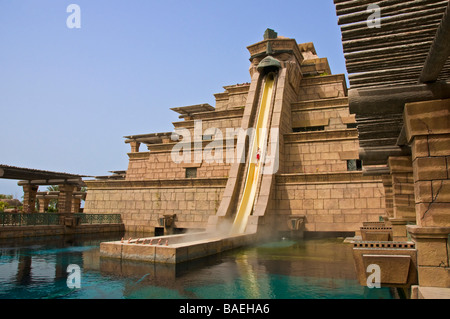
(208, 243)
(259, 141)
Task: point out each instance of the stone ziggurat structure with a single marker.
(319, 185)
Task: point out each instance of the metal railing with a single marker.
(42, 219)
(20, 219)
(99, 218)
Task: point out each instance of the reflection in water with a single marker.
(24, 270)
(253, 288)
(283, 270)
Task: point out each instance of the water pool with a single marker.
(284, 269)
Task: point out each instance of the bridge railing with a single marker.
(99, 218)
(42, 219)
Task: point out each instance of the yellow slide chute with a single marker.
(259, 142)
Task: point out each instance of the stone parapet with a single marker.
(399, 231)
(376, 233)
(397, 262)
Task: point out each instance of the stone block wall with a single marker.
(332, 117)
(235, 96)
(427, 127)
(329, 149)
(321, 156)
(331, 203)
(314, 181)
(402, 187)
(161, 166)
(221, 121)
(388, 196)
(323, 87)
(316, 66)
(141, 207)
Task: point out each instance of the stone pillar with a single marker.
(388, 198)
(402, 196)
(428, 132)
(29, 198)
(76, 203)
(76, 200)
(65, 198)
(135, 146)
(43, 204)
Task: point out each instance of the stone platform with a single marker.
(430, 293)
(175, 248)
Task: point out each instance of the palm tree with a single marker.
(53, 203)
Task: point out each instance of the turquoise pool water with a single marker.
(284, 269)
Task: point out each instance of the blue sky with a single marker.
(68, 96)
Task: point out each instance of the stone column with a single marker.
(388, 196)
(135, 146)
(29, 198)
(76, 201)
(428, 132)
(65, 198)
(43, 204)
(402, 196)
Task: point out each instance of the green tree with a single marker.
(53, 203)
(6, 201)
(84, 190)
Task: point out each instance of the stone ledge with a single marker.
(383, 244)
(158, 183)
(397, 263)
(325, 178)
(139, 155)
(192, 145)
(428, 232)
(321, 136)
(232, 114)
(327, 79)
(175, 248)
(400, 164)
(340, 102)
(427, 118)
(430, 293)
